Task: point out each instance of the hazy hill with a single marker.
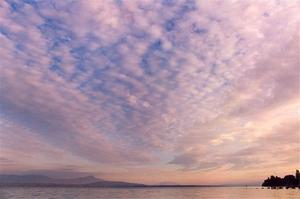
(40, 180)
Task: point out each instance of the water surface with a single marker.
(147, 193)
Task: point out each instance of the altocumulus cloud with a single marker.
(137, 83)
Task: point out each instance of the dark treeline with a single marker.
(287, 181)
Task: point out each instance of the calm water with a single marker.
(148, 193)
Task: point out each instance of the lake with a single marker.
(147, 193)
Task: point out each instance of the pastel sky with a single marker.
(150, 91)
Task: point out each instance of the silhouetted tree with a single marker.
(298, 177)
(288, 180)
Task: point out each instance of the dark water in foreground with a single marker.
(147, 193)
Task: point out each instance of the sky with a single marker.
(150, 91)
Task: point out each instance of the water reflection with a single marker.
(147, 193)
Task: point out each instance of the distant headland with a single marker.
(45, 181)
(289, 181)
(87, 181)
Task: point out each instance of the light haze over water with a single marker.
(147, 193)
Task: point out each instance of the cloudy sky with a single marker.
(150, 91)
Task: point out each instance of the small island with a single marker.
(289, 181)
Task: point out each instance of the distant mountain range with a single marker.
(45, 181)
(87, 181)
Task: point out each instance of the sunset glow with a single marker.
(150, 91)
